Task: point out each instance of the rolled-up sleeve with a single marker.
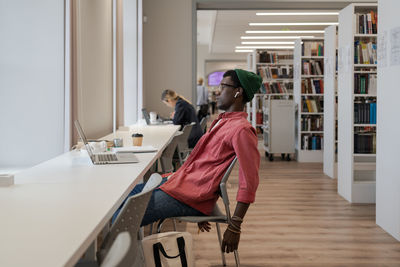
(245, 144)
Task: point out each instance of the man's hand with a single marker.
(230, 241)
(204, 226)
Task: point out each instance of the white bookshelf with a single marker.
(330, 98)
(303, 153)
(356, 170)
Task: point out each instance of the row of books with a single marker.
(312, 86)
(364, 112)
(312, 49)
(365, 53)
(267, 57)
(312, 105)
(365, 83)
(313, 67)
(312, 142)
(277, 88)
(365, 143)
(312, 123)
(366, 23)
(273, 72)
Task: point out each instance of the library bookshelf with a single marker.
(357, 68)
(330, 102)
(309, 98)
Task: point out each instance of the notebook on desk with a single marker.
(160, 120)
(105, 158)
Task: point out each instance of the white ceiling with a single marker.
(222, 29)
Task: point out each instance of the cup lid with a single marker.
(137, 135)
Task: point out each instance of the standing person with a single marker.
(184, 113)
(194, 189)
(202, 99)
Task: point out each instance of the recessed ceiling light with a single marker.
(265, 47)
(243, 50)
(292, 23)
(275, 37)
(284, 31)
(298, 14)
(268, 43)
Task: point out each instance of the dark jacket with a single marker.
(186, 114)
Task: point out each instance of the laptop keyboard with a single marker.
(107, 157)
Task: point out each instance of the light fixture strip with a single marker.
(243, 50)
(295, 31)
(274, 37)
(268, 43)
(292, 23)
(264, 47)
(298, 14)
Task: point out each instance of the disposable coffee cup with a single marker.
(137, 139)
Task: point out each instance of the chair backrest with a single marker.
(120, 253)
(130, 216)
(203, 124)
(224, 192)
(183, 138)
(168, 155)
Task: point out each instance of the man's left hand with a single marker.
(230, 241)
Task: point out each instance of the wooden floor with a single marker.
(298, 219)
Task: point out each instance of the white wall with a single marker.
(388, 131)
(31, 81)
(167, 51)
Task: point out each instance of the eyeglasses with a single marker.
(224, 85)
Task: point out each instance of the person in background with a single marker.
(193, 190)
(184, 113)
(202, 99)
(213, 101)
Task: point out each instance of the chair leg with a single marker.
(237, 258)
(220, 244)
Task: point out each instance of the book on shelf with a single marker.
(275, 72)
(365, 83)
(268, 57)
(312, 67)
(312, 123)
(311, 142)
(312, 49)
(366, 23)
(365, 140)
(277, 87)
(312, 105)
(365, 111)
(312, 86)
(365, 53)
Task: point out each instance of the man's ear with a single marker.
(240, 91)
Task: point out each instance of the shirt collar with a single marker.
(232, 115)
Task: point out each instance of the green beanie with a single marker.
(250, 82)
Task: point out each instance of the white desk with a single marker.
(56, 209)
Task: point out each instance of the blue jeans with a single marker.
(161, 206)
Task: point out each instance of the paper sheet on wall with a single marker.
(382, 49)
(395, 46)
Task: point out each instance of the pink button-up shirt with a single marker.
(196, 183)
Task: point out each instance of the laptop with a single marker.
(160, 120)
(105, 158)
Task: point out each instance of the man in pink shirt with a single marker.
(193, 189)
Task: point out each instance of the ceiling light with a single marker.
(275, 37)
(265, 47)
(298, 14)
(284, 31)
(271, 43)
(292, 23)
(243, 50)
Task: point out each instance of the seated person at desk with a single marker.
(193, 189)
(184, 114)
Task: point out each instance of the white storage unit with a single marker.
(278, 127)
(357, 137)
(330, 102)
